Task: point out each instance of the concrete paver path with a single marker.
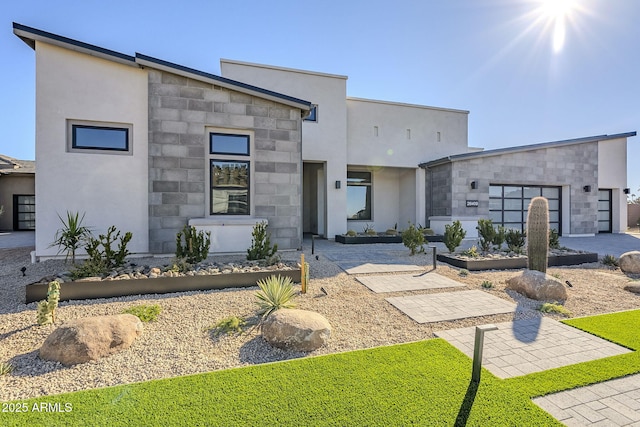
(407, 282)
(533, 345)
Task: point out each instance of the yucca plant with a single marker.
(275, 293)
(71, 236)
(5, 368)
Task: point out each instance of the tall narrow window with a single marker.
(230, 167)
(359, 195)
(313, 114)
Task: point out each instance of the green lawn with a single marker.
(423, 383)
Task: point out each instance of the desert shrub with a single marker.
(351, 233)
(196, 244)
(144, 312)
(538, 234)
(487, 284)
(47, 308)
(515, 240)
(229, 325)
(554, 239)
(101, 256)
(499, 237)
(549, 307)
(453, 235)
(391, 232)
(464, 272)
(486, 232)
(71, 236)
(369, 230)
(5, 368)
(472, 252)
(261, 247)
(275, 293)
(413, 239)
(609, 260)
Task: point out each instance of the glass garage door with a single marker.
(24, 215)
(604, 211)
(508, 205)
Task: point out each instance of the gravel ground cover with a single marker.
(178, 343)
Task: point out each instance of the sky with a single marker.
(529, 71)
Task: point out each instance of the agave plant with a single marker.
(275, 293)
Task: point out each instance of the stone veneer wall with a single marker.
(572, 165)
(438, 189)
(179, 110)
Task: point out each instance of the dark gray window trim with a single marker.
(73, 148)
(213, 160)
(314, 112)
(245, 136)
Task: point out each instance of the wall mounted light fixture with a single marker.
(626, 191)
(338, 183)
(474, 185)
(587, 188)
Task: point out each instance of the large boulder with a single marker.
(629, 262)
(90, 338)
(298, 330)
(538, 286)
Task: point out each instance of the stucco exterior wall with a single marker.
(612, 174)
(10, 185)
(111, 189)
(402, 135)
(182, 112)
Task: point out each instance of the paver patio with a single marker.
(407, 282)
(533, 345)
(374, 261)
(369, 267)
(451, 305)
(610, 403)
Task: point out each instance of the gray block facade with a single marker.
(448, 185)
(180, 111)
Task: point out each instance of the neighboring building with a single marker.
(17, 194)
(150, 146)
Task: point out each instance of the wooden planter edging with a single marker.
(516, 263)
(160, 285)
(363, 240)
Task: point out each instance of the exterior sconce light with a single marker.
(626, 191)
(474, 185)
(587, 188)
(338, 184)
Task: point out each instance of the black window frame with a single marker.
(523, 209)
(247, 152)
(368, 183)
(17, 222)
(74, 138)
(213, 187)
(313, 114)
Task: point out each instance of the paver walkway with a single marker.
(451, 305)
(374, 261)
(525, 346)
(407, 282)
(611, 403)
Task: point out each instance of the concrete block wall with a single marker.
(574, 166)
(179, 111)
(438, 191)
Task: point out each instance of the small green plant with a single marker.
(554, 239)
(351, 233)
(453, 235)
(71, 236)
(549, 307)
(499, 237)
(463, 273)
(275, 293)
(487, 233)
(102, 257)
(196, 244)
(47, 308)
(556, 275)
(487, 284)
(413, 239)
(5, 368)
(229, 326)
(472, 252)
(146, 313)
(260, 243)
(369, 230)
(391, 232)
(515, 240)
(609, 260)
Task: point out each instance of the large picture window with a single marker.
(96, 137)
(230, 174)
(359, 196)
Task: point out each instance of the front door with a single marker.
(604, 211)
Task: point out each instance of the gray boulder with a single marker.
(90, 338)
(298, 330)
(629, 262)
(633, 288)
(538, 286)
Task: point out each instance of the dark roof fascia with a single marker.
(30, 35)
(160, 64)
(508, 150)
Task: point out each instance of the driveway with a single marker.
(17, 239)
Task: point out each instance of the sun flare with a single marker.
(557, 12)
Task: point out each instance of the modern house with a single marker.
(17, 194)
(150, 146)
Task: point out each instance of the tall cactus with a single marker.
(538, 234)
